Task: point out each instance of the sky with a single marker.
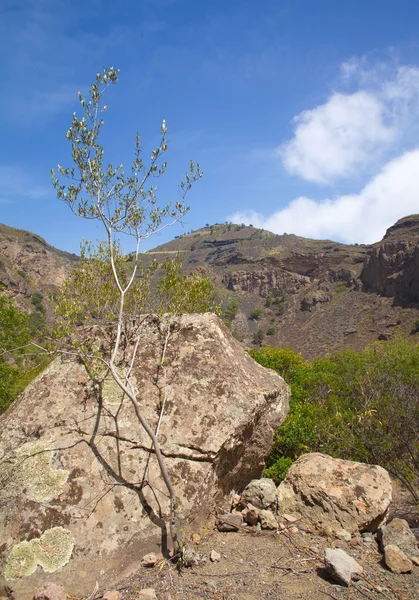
(303, 114)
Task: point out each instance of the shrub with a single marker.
(230, 311)
(361, 406)
(258, 337)
(256, 314)
(271, 331)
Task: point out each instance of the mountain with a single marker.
(30, 269)
(315, 296)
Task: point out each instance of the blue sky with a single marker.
(302, 113)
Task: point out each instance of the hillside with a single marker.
(29, 265)
(314, 296)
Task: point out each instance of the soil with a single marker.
(271, 565)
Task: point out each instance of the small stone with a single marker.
(258, 527)
(268, 520)
(195, 538)
(344, 535)
(281, 526)
(50, 591)
(289, 518)
(147, 594)
(229, 522)
(250, 514)
(149, 560)
(340, 566)
(112, 595)
(415, 560)
(215, 556)
(293, 530)
(396, 560)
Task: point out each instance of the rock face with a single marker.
(336, 494)
(391, 267)
(77, 500)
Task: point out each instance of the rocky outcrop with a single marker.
(81, 494)
(335, 494)
(265, 281)
(391, 268)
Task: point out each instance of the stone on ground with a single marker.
(149, 560)
(398, 533)
(147, 594)
(220, 415)
(335, 494)
(215, 556)
(340, 566)
(50, 591)
(268, 520)
(261, 493)
(250, 514)
(229, 522)
(112, 595)
(396, 560)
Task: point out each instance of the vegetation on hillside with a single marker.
(361, 406)
(17, 366)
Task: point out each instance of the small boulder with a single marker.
(341, 567)
(250, 514)
(50, 591)
(229, 522)
(336, 494)
(112, 595)
(268, 520)
(396, 560)
(398, 533)
(260, 492)
(215, 556)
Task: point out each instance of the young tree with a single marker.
(126, 205)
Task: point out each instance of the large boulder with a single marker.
(81, 495)
(335, 494)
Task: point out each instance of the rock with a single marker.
(260, 492)
(398, 533)
(147, 594)
(335, 494)
(344, 535)
(310, 300)
(50, 591)
(396, 560)
(341, 567)
(268, 520)
(149, 560)
(112, 595)
(221, 412)
(215, 556)
(391, 267)
(229, 522)
(250, 514)
(415, 560)
(293, 530)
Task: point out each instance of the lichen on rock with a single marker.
(51, 551)
(29, 468)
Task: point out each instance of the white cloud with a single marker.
(351, 131)
(17, 182)
(393, 193)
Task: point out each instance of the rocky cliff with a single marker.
(392, 267)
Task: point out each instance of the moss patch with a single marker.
(51, 551)
(29, 469)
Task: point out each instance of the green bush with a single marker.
(361, 406)
(258, 337)
(256, 313)
(230, 311)
(271, 331)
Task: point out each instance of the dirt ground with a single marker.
(271, 565)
